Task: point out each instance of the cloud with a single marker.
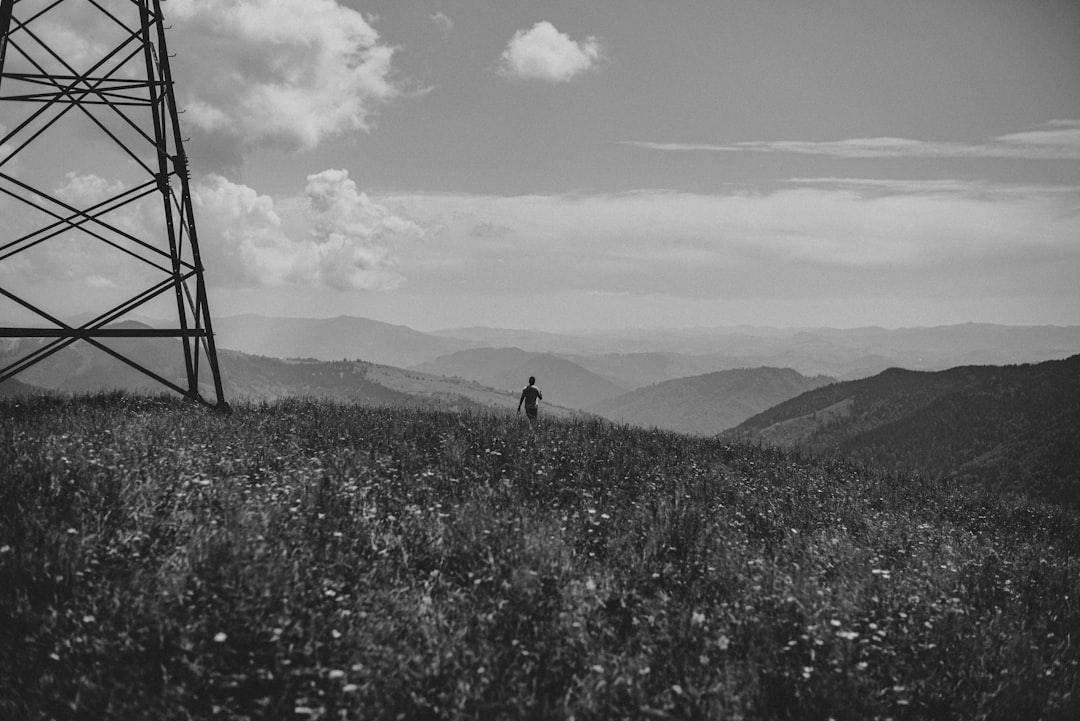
(334, 237)
(1057, 140)
(96, 249)
(282, 72)
(443, 21)
(544, 53)
(809, 241)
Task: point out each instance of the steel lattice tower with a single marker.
(114, 82)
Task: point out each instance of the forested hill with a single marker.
(1009, 427)
(707, 404)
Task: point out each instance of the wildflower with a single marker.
(698, 618)
(220, 637)
(336, 673)
(723, 642)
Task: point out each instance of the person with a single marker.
(530, 394)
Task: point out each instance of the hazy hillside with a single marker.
(247, 377)
(13, 387)
(637, 370)
(316, 560)
(340, 338)
(707, 404)
(479, 364)
(1014, 427)
(839, 353)
(81, 368)
(563, 382)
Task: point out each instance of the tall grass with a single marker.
(310, 560)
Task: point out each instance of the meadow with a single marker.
(311, 560)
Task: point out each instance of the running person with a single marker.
(530, 394)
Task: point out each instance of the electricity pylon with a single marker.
(97, 72)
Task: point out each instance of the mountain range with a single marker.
(670, 379)
(567, 383)
(1014, 428)
(707, 404)
(635, 358)
(81, 367)
(846, 354)
(340, 338)
(1007, 426)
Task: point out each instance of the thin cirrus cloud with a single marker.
(544, 53)
(1059, 139)
(281, 72)
(700, 245)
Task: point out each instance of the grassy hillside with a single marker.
(1010, 427)
(710, 403)
(312, 560)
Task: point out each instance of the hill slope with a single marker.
(82, 368)
(13, 387)
(317, 560)
(340, 338)
(839, 353)
(1014, 427)
(709, 403)
(563, 382)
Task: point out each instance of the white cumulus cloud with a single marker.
(335, 237)
(544, 53)
(331, 237)
(285, 72)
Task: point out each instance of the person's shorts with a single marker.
(530, 412)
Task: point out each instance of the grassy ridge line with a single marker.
(311, 560)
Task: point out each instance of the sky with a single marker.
(607, 163)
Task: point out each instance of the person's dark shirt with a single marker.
(530, 394)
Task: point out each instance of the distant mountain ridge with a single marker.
(1008, 427)
(710, 403)
(82, 368)
(340, 338)
(563, 382)
(841, 353)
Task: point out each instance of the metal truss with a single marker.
(125, 98)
